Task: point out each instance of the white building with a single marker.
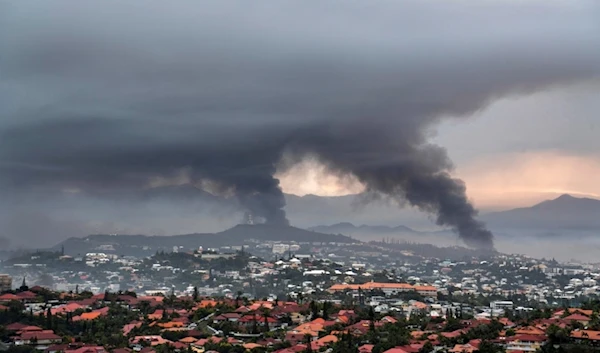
(502, 304)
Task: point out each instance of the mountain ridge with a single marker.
(140, 244)
(563, 212)
(348, 226)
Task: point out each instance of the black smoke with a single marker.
(105, 97)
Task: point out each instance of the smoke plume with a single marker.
(106, 96)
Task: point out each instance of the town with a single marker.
(275, 296)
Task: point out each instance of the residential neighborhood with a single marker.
(228, 300)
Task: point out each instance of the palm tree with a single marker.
(266, 314)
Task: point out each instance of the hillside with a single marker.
(347, 228)
(565, 212)
(238, 235)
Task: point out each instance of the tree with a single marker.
(308, 341)
(371, 320)
(326, 308)
(427, 347)
(49, 321)
(346, 344)
(452, 324)
(195, 295)
(237, 299)
(314, 308)
(557, 335)
(254, 324)
(489, 347)
(265, 313)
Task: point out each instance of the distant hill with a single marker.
(238, 235)
(347, 228)
(565, 212)
(377, 233)
(310, 210)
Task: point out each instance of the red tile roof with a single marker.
(30, 329)
(8, 297)
(587, 335)
(577, 317)
(26, 295)
(527, 338)
(17, 326)
(39, 335)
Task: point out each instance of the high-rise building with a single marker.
(5, 282)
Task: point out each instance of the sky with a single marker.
(541, 145)
(514, 153)
(447, 107)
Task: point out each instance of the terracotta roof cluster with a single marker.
(379, 285)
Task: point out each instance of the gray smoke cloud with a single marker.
(106, 96)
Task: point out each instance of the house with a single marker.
(324, 341)
(365, 348)
(16, 327)
(8, 297)
(311, 328)
(154, 340)
(586, 336)
(397, 350)
(29, 329)
(388, 320)
(57, 348)
(130, 326)
(156, 315)
(26, 296)
(250, 346)
(46, 337)
(188, 340)
(463, 348)
(530, 330)
(426, 291)
(578, 318)
(387, 288)
(87, 349)
(566, 312)
(524, 343)
(231, 317)
(297, 318)
(87, 316)
(506, 322)
(92, 315)
(295, 337)
(349, 314)
(453, 334)
(67, 308)
(170, 325)
(207, 303)
(202, 342)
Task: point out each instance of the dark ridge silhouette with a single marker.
(238, 235)
(565, 212)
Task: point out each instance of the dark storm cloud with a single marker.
(108, 95)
